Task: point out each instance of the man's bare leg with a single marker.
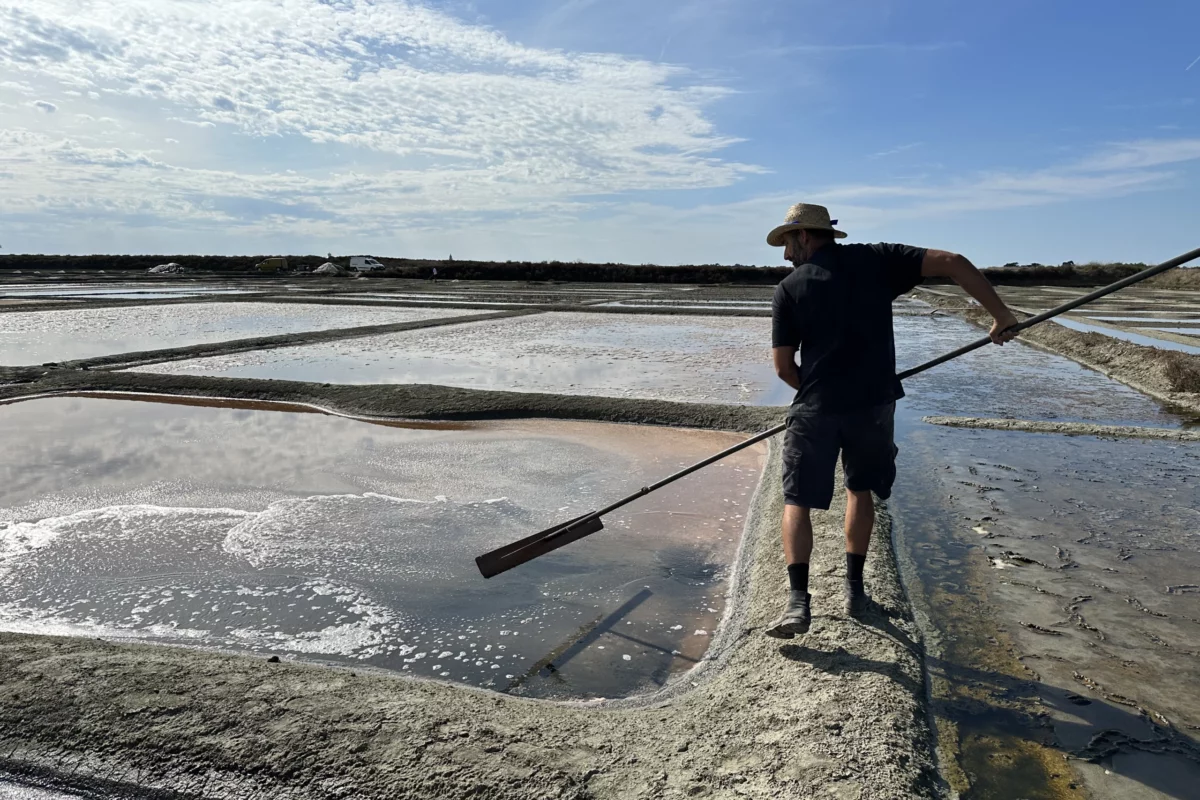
(860, 521)
(797, 535)
(797, 550)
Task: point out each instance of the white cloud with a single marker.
(312, 122)
(439, 115)
(1143, 153)
(43, 105)
(1115, 170)
(17, 86)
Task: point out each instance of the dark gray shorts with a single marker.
(810, 451)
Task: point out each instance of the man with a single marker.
(836, 309)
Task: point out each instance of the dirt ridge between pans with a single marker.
(838, 713)
(351, 301)
(404, 401)
(1066, 428)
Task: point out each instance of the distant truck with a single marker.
(364, 264)
(272, 265)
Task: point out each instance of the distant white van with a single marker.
(364, 263)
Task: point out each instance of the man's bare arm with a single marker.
(785, 366)
(944, 264)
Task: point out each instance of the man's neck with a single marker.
(826, 245)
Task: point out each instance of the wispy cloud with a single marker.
(900, 149)
(1194, 63)
(1114, 170)
(18, 87)
(1141, 154)
(869, 47)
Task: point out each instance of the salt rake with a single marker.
(505, 558)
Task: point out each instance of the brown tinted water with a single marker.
(323, 538)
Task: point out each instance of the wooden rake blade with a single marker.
(512, 555)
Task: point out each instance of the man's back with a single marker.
(836, 308)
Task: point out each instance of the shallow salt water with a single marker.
(36, 337)
(677, 357)
(322, 538)
(1013, 381)
(1148, 341)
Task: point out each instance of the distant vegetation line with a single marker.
(560, 271)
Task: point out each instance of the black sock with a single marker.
(854, 567)
(798, 577)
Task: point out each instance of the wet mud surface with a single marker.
(1082, 551)
(16, 791)
(316, 537)
(1073, 548)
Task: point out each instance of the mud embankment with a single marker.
(838, 713)
(348, 298)
(1067, 428)
(1167, 375)
(405, 401)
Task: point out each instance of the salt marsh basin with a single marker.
(35, 337)
(676, 357)
(316, 537)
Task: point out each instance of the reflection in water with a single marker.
(319, 537)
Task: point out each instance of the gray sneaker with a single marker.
(857, 600)
(795, 619)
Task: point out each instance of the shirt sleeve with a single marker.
(785, 320)
(901, 266)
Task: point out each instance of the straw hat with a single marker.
(804, 216)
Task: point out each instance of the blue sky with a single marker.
(623, 130)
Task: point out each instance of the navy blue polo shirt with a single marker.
(837, 309)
